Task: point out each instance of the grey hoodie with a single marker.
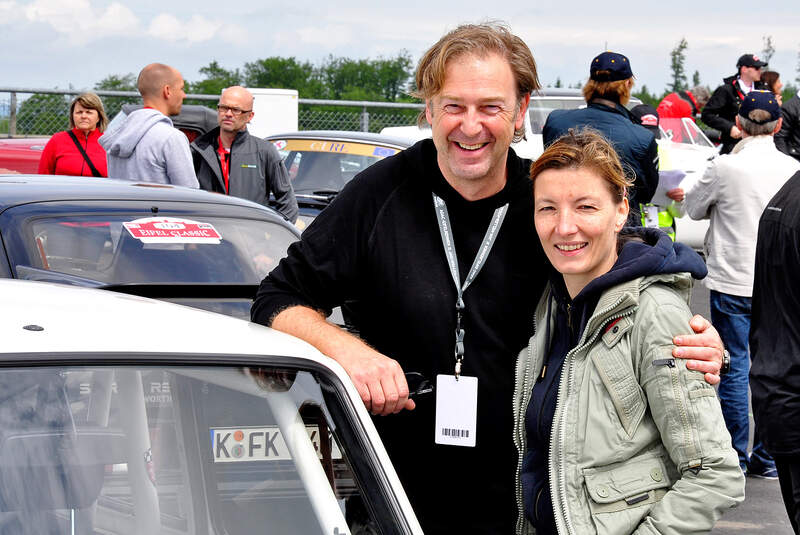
(147, 148)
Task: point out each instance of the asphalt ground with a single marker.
(762, 511)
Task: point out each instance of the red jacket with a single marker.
(62, 157)
(677, 106)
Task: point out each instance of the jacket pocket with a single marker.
(625, 486)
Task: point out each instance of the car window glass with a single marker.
(221, 450)
(106, 248)
(540, 107)
(325, 166)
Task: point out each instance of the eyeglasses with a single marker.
(418, 385)
(235, 111)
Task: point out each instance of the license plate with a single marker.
(243, 444)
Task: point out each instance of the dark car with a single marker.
(193, 120)
(124, 415)
(321, 162)
(189, 246)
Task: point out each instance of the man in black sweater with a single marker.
(384, 246)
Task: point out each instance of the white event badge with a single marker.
(456, 410)
(651, 216)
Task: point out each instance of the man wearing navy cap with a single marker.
(607, 92)
(723, 105)
(733, 193)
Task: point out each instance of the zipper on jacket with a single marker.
(561, 501)
(520, 432)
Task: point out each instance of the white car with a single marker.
(120, 414)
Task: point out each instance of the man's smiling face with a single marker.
(473, 120)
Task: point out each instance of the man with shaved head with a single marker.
(147, 147)
(229, 160)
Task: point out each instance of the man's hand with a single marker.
(735, 132)
(676, 194)
(704, 349)
(379, 380)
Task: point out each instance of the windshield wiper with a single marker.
(326, 195)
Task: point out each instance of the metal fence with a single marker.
(42, 112)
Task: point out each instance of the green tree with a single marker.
(696, 79)
(647, 97)
(381, 79)
(769, 49)
(43, 114)
(558, 82)
(286, 73)
(216, 79)
(797, 79)
(117, 82)
(394, 76)
(678, 66)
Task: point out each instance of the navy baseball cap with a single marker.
(750, 60)
(610, 67)
(760, 100)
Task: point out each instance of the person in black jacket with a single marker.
(722, 107)
(229, 160)
(607, 92)
(775, 340)
(391, 246)
(788, 139)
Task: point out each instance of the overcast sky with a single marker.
(62, 43)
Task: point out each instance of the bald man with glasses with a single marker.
(229, 160)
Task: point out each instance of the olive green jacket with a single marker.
(638, 441)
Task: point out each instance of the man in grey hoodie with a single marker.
(147, 147)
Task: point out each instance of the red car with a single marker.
(21, 155)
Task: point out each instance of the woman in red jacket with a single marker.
(76, 151)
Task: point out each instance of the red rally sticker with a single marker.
(172, 230)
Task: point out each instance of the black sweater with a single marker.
(775, 327)
(377, 247)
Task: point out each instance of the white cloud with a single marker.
(329, 36)
(196, 30)
(79, 22)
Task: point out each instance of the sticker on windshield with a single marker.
(280, 144)
(242, 444)
(172, 230)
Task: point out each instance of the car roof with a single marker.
(76, 319)
(557, 92)
(343, 135)
(192, 116)
(24, 189)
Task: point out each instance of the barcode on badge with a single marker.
(460, 433)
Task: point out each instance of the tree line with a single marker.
(384, 79)
(335, 78)
(679, 80)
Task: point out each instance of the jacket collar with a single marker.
(753, 141)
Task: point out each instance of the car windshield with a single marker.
(189, 450)
(541, 106)
(684, 131)
(322, 167)
(120, 249)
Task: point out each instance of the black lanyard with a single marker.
(443, 219)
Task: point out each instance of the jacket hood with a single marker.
(729, 79)
(646, 252)
(122, 141)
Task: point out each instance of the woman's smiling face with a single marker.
(577, 219)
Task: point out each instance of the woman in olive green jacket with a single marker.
(614, 435)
